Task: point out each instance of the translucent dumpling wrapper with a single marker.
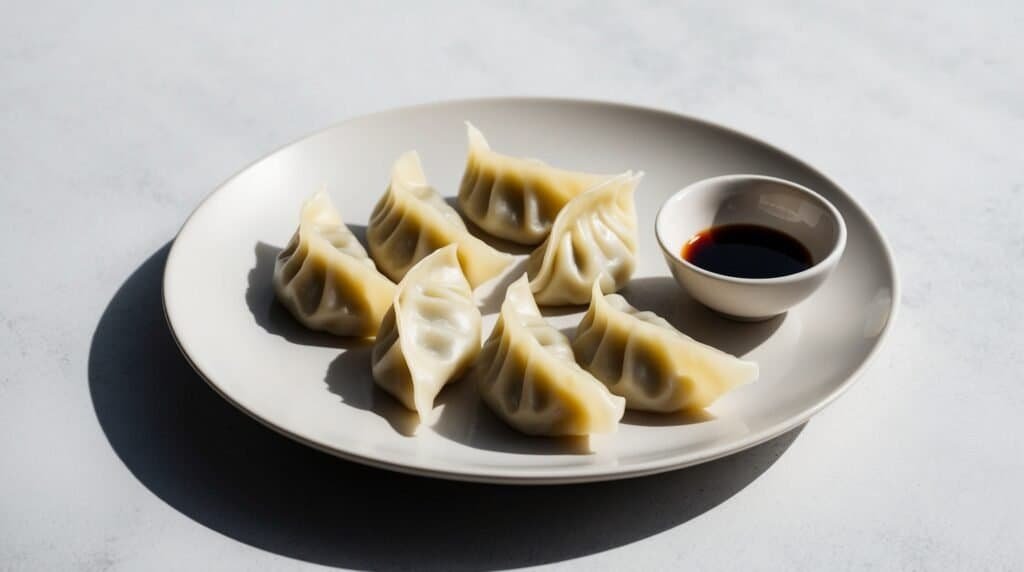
(325, 278)
(412, 220)
(641, 357)
(430, 335)
(516, 198)
(594, 239)
(528, 377)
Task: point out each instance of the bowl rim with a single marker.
(822, 266)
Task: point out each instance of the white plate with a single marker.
(317, 389)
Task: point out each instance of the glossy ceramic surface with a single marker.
(318, 389)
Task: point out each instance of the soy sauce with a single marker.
(747, 251)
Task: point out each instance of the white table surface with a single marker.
(117, 119)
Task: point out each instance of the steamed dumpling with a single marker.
(593, 240)
(514, 198)
(411, 220)
(528, 377)
(430, 334)
(641, 357)
(325, 278)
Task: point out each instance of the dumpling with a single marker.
(593, 239)
(431, 333)
(411, 220)
(641, 357)
(326, 279)
(515, 198)
(528, 377)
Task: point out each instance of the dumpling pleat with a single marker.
(528, 376)
(325, 278)
(411, 221)
(430, 335)
(515, 198)
(642, 358)
(599, 227)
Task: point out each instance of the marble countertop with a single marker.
(118, 118)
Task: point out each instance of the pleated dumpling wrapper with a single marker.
(593, 240)
(430, 335)
(325, 278)
(641, 357)
(412, 220)
(516, 198)
(528, 377)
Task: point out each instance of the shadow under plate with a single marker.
(227, 472)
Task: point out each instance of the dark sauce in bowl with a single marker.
(747, 251)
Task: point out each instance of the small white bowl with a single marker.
(751, 199)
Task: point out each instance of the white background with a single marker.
(117, 119)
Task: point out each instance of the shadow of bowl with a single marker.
(663, 296)
(227, 472)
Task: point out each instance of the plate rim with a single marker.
(545, 476)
